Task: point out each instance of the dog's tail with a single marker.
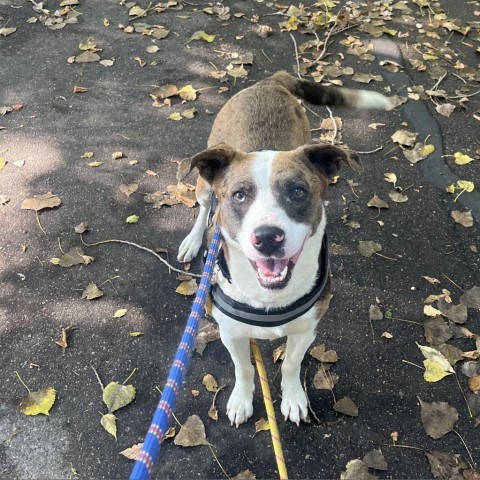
(319, 94)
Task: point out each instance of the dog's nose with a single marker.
(268, 240)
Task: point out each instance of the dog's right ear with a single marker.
(209, 163)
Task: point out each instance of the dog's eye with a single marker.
(239, 196)
(297, 193)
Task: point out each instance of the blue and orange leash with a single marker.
(156, 433)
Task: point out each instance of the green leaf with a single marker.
(132, 219)
(201, 35)
(117, 396)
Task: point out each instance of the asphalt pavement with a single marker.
(81, 130)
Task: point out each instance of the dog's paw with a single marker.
(189, 248)
(294, 402)
(240, 405)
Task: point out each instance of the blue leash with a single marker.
(159, 426)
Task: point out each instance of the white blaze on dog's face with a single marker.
(270, 203)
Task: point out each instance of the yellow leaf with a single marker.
(136, 11)
(132, 219)
(135, 334)
(433, 371)
(262, 425)
(120, 313)
(108, 422)
(187, 93)
(430, 311)
(431, 354)
(201, 35)
(450, 188)
(87, 155)
(390, 177)
(210, 383)
(175, 116)
(187, 288)
(38, 402)
(106, 23)
(427, 150)
(94, 164)
(466, 185)
(2, 163)
(462, 159)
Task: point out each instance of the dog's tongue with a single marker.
(272, 267)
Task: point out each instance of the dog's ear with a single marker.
(209, 163)
(328, 159)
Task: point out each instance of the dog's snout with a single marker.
(268, 240)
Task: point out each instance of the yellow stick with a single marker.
(267, 398)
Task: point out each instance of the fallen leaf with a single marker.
(38, 402)
(74, 256)
(39, 202)
(279, 353)
(262, 425)
(450, 352)
(356, 470)
(117, 396)
(430, 311)
(135, 334)
(175, 116)
(187, 288)
(474, 384)
(455, 313)
(418, 153)
(5, 31)
(397, 197)
(91, 292)
(245, 475)
(213, 412)
(132, 452)
(263, 31)
(87, 155)
(189, 113)
(471, 369)
(207, 332)
(434, 372)
(192, 433)
(120, 313)
(128, 189)
(462, 159)
(366, 77)
(95, 164)
(210, 383)
(87, 57)
(137, 11)
(374, 313)
(431, 280)
(81, 227)
(324, 379)
(368, 248)
(4, 199)
(108, 422)
(471, 298)
(463, 218)
(377, 202)
(132, 219)
(107, 63)
(118, 155)
(79, 89)
(320, 353)
(62, 341)
(187, 93)
(432, 354)
(404, 137)
(375, 459)
(445, 109)
(346, 406)
(438, 418)
(201, 35)
(184, 193)
(237, 72)
(152, 49)
(447, 465)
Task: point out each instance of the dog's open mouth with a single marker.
(274, 273)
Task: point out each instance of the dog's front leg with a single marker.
(240, 403)
(294, 401)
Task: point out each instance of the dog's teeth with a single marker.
(284, 272)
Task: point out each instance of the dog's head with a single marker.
(270, 202)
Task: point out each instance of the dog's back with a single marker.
(269, 116)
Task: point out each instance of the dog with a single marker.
(268, 180)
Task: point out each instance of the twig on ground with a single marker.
(98, 378)
(308, 400)
(266, 56)
(451, 281)
(296, 56)
(334, 124)
(370, 151)
(472, 464)
(325, 45)
(149, 250)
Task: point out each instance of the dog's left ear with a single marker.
(209, 163)
(328, 159)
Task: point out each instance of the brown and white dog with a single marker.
(269, 179)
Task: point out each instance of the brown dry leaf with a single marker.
(118, 155)
(366, 78)
(375, 459)
(431, 280)
(213, 412)
(236, 72)
(471, 369)
(463, 218)
(128, 189)
(419, 152)
(210, 383)
(245, 475)
(398, 197)
(346, 406)
(455, 313)
(187, 288)
(451, 353)
(153, 197)
(446, 465)
(189, 113)
(404, 137)
(39, 202)
(445, 109)
(184, 193)
(430, 311)
(279, 353)
(377, 202)
(208, 332)
(62, 341)
(132, 452)
(91, 292)
(438, 418)
(356, 470)
(81, 227)
(263, 31)
(471, 298)
(171, 432)
(473, 355)
(474, 384)
(327, 356)
(324, 379)
(437, 331)
(327, 124)
(79, 89)
(87, 57)
(74, 256)
(374, 313)
(192, 433)
(368, 248)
